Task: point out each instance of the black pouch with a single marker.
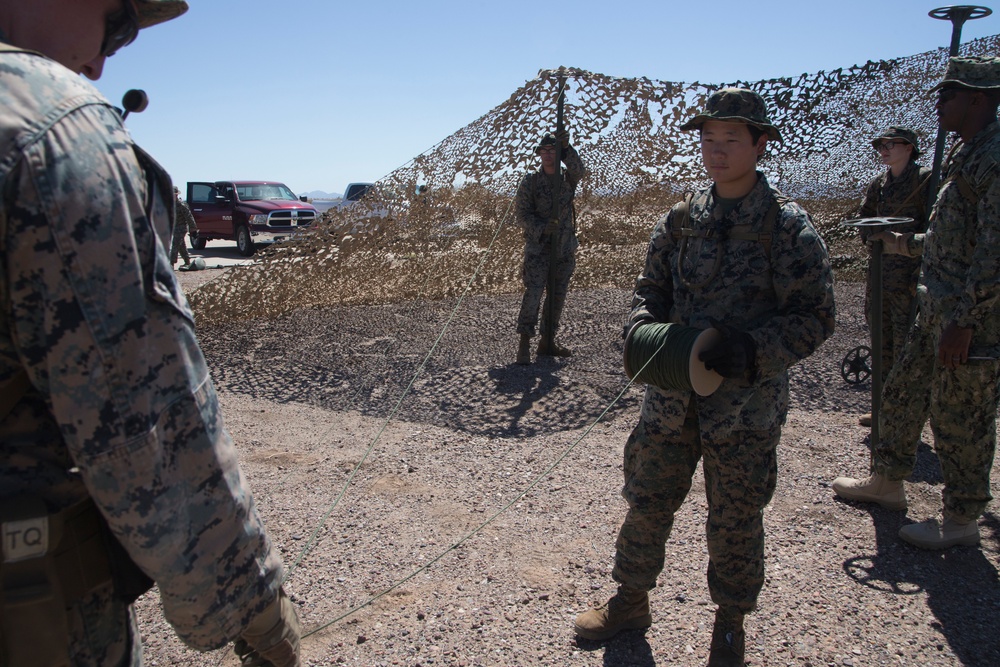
(129, 580)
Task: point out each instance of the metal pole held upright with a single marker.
(875, 283)
(556, 183)
(958, 15)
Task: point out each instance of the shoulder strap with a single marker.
(682, 216)
(917, 184)
(966, 189)
(960, 181)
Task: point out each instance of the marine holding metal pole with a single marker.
(958, 15)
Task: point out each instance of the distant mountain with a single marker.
(319, 194)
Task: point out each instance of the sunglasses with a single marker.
(888, 145)
(120, 30)
(948, 94)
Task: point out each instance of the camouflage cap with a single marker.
(548, 140)
(973, 72)
(898, 132)
(151, 12)
(736, 105)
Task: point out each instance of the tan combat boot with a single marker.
(548, 347)
(951, 532)
(875, 489)
(524, 350)
(728, 640)
(627, 610)
(865, 419)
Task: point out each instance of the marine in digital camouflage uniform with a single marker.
(110, 429)
(183, 224)
(899, 192)
(752, 262)
(535, 208)
(949, 366)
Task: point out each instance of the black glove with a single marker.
(733, 355)
(563, 137)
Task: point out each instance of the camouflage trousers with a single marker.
(741, 472)
(898, 308)
(962, 406)
(178, 244)
(535, 274)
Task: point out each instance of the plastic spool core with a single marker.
(703, 381)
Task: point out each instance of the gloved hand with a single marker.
(733, 355)
(562, 136)
(893, 243)
(272, 638)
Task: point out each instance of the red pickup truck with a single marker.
(248, 212)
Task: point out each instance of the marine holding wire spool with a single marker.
(745, 260)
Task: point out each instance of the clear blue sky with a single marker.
(318, 93)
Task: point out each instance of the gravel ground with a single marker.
(469, 522)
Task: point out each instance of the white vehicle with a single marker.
(363, 213)
(353, 194)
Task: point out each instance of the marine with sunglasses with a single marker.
(900, 191)
(950, 366)
(116, 470)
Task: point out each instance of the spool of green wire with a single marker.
(665, 355)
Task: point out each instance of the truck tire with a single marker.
(198, 242)
(244, 244)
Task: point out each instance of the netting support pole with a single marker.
(557, 181)
(958, 15)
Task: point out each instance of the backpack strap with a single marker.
(682, 217)
(965, 189)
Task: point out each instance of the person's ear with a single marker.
(761, 145)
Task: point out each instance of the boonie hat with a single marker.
(897, 132)
(973, 73)
(151, 12)
(738, 105)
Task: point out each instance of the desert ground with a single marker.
(436, 504)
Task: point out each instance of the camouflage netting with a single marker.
(400, 244)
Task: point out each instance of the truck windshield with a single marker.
(356, 191)
(264, 191)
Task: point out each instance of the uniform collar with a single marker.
(747, 207)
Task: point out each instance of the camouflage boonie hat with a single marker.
(897, 132)
(548, 140)
(151, 12)
(973, 73)
(736, 104)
